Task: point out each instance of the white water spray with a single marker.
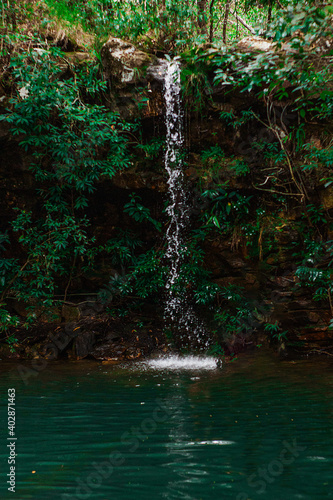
(175, 362)
(177, 209)
(178, 312)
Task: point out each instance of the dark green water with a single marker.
(259, 429)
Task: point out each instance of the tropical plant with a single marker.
(73, 145)
(140, 213)
(274, 330)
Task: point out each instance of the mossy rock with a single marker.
(124, 64)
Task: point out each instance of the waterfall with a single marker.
(177, 209)
(179, 314)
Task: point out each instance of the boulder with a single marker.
(123, 63)
(255, 44)
(84, 343)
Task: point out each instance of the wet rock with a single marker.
(111, 361)
(156, 71)
(83, 344)
(133, 353)
(56, 343)
(49, 351)
(61, 339)
(108, 351)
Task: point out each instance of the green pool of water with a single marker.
(260, 428)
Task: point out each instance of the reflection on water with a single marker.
(257, 429)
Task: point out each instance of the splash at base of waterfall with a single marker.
(174, 362)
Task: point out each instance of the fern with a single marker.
(309, 275)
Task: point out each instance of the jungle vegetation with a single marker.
(76, 141)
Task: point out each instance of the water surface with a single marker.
(259, 428)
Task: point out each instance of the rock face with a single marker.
(126, 68)
(124, 64)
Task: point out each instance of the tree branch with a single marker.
(244, 23)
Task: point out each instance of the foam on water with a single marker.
(175, 362)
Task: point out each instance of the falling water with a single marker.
(179, 314)
(177, 209)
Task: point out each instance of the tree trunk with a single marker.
(269, 16)
(225, 21)
(211, 20)
(202, 16)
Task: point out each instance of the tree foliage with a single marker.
(58, 115)
(73, 144)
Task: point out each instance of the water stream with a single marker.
(179, 314)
